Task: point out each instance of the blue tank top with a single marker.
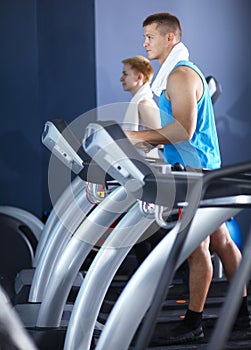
(202, 151)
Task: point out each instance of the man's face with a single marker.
(155, 43)
(129, 78)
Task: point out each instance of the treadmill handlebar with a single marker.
(108, 145)
(60, 140)
(66, 134)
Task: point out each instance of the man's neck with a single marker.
(167, 53)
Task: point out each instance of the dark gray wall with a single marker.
(47, 70)
(217, 33)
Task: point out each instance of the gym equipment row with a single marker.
(224, 199)
(37, 247)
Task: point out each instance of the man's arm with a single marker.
(149, 114)
(184, 88)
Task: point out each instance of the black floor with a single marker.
(174, 308)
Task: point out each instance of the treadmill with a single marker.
(218, 194)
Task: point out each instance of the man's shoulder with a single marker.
(184, 73)
(179, 72)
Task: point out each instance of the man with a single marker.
(142, 112)
(189, 136)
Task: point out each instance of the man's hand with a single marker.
(137, 142)
(145, 146)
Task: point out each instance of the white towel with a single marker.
(178, 53)
(131, 119)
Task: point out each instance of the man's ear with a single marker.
(170, 36)
(141, 76)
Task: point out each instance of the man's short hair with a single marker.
(141, 64)
(166, 22)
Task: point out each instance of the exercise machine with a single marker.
(69, 211)
(218, 209)
(58, 227)
(40, 317)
